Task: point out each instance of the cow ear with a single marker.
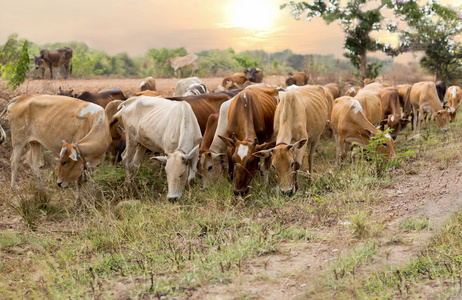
(300, 144)
(370, 133)
(266, 146)
(73, 155)
(383, 122)
(160, 158)
(192, 153)
(229, 142)
(263, 153)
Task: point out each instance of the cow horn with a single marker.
(234, 137)
(255, 141)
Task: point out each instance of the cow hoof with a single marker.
(173, 199)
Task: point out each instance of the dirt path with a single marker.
(432, 194)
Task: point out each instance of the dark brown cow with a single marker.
(116, 131)
(250, 128)
(391, 112)
(297, 78)
(55, 59)
(441, 89)
(102, 98)
(254, 74)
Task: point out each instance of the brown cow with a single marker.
(180, 62)
(55, 59)
(235, 81)
(334, 89)
(297, 78)
(424, 99)
(350, 125)
(353, 91)
(454, 95)
(149, 84)
(300, 118)
(254, 74)
(76, 130)
(250, 128)
(102, 98)
(391, 115)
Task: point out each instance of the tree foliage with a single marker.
(14, 61)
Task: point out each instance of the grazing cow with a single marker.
(391, 112)
(327, 133)
(424, 99)
(298, 78)
(235, 81)
(204, 148)
(40, 64)
(454, 96)
(76, 130)
(334, 89)
(254, 74)
(250, 127)
(102, 98)
(402, 91)
(117, 134)
(300, 118)
(353, 91)
(370, 101)
(183, 84)
(161, 125)
(375, 86)
(180, 62)
(149, 84)
(441, 89)
(350, 125)
(195, 89)
(55, 59)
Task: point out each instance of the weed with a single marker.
(360, 225)
(417, 223)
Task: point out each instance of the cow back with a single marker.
(370, 101)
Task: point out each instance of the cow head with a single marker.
(441, 118)
(211, 166)
(396, 123)
(251, 73)
(177, 171)
(39, 62)
(283, 159)
(291, 79)
(387, 147)
(245, 164)
(71, 164)
(65, 93)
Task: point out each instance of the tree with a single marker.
(14, 61)
(358, 23)
(245, 60)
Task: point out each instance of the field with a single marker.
(350, 234)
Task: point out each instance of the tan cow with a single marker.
(149, 84)
(334, 89)
(353, 91)
(350, 125)
(454, 95)
(424, 99)
(235, 81)
(55, 59)
(370, 101)
(391, 113)
(180, 62)
(297, 78)
(299, 120)
(76, 130)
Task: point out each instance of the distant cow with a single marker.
(183, 84)
(102, 98)
(55, 59)
(424, 99)
(353, 91)
(195, 89)
(454, 97)
(298, 78)
(161, 125)
(76, 130)
(235, 81)
(254, 74)
(180, 62)
(441, 89)
(149, 84)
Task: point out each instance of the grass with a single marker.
(112, 243)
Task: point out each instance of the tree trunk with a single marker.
(362, 69)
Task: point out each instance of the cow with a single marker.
(76, 130)
(441, 90)
(102, 98)
(55, 59)
(40, 64)
(391, 112)
(300, 118)
(117, 132)
(454, 96)
(350, 125)
(250, 129)
(327, 133)
(183, 84)
(254, 74)
(148, 93)
(374, 86)
(334, 89)
(161, 125)
(370, 101)
(235, 81)
(298, 78)
(149, 84)
(402, 91)
(195, 89)
(424, 99)
(353, 91)
(204, 148)
(180, 62)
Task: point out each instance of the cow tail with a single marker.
(70, 67)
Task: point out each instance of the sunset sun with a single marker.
(255, 14)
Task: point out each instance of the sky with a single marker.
(135, 26)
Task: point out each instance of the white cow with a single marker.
(182, 85)
(181, 62)
(161, 125)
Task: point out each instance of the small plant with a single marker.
(360, 225)
(415, 224)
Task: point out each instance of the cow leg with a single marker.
(420, 119)
(135, 163)
(127, 157)
(313, 146)
(299, 154)
(66, 66)
(415, 117)
(51, 70)
(43, 73)
(14, 160)
(35, 155)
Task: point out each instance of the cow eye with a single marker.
(292, 163)
(63, 163)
